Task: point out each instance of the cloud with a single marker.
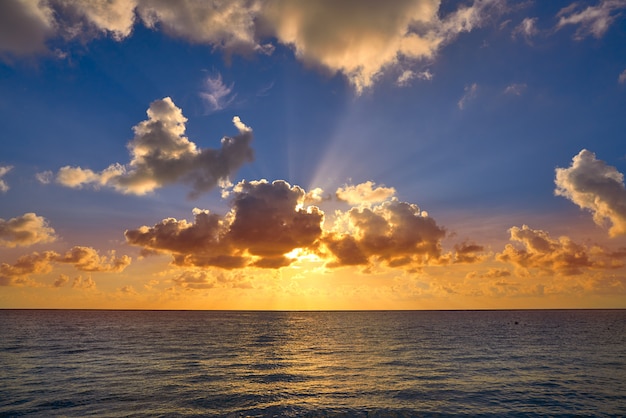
(162, 155)
(81, 282)
(364, 193)
(535, 249)
(515, 89)
(4, 187)
(468, 252)
(360, 39)
(592, 20)
(229, 25)
(25, 26)
(267, 221)
(393, 233)
(25, 230)
(81, 258)
(61, 281)
(526, 29)
(45, 177)
(593, 185)
(88, 259)
(217, 95)
(407, 75)
(622, 77)
(470, 94)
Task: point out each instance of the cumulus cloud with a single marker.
(360, 39)
(81, 258)
(365, 193)
(536, 249)
(591, 20)
(4, 187)
(363, 38)
(216, 94)
(622, 77)
(25, 230)
(161, 155)
(393, 233)
(470, 94)
(267, 221)
(81, 282)
(25, 26)
(593, 185)
(270, 223)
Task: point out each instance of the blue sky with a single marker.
(463, 108)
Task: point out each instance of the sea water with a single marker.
(389, 363)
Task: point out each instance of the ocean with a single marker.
(77, 363)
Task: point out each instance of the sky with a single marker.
(298, 155)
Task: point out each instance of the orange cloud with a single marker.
(365, 193)
(25, 230)
(535, 249)
(394, 233)
(82, 258)
(268, 221)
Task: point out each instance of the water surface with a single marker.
(398, 363)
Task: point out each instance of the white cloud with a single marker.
(592, 20)
(4, 187)
(45, 177)
(526, 29)
(228, 24)
(515, 89)
(593, 185)
(407, 75)
(359, 38)
(161, 155)
(470, 94)
(216, 94)
(25, 230)
(112, 17)
(622, 77)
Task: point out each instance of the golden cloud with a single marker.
(25, 230)
(82, 258)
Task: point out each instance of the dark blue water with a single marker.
(146, 363)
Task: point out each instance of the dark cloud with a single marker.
(25, 26)
(266, 222)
